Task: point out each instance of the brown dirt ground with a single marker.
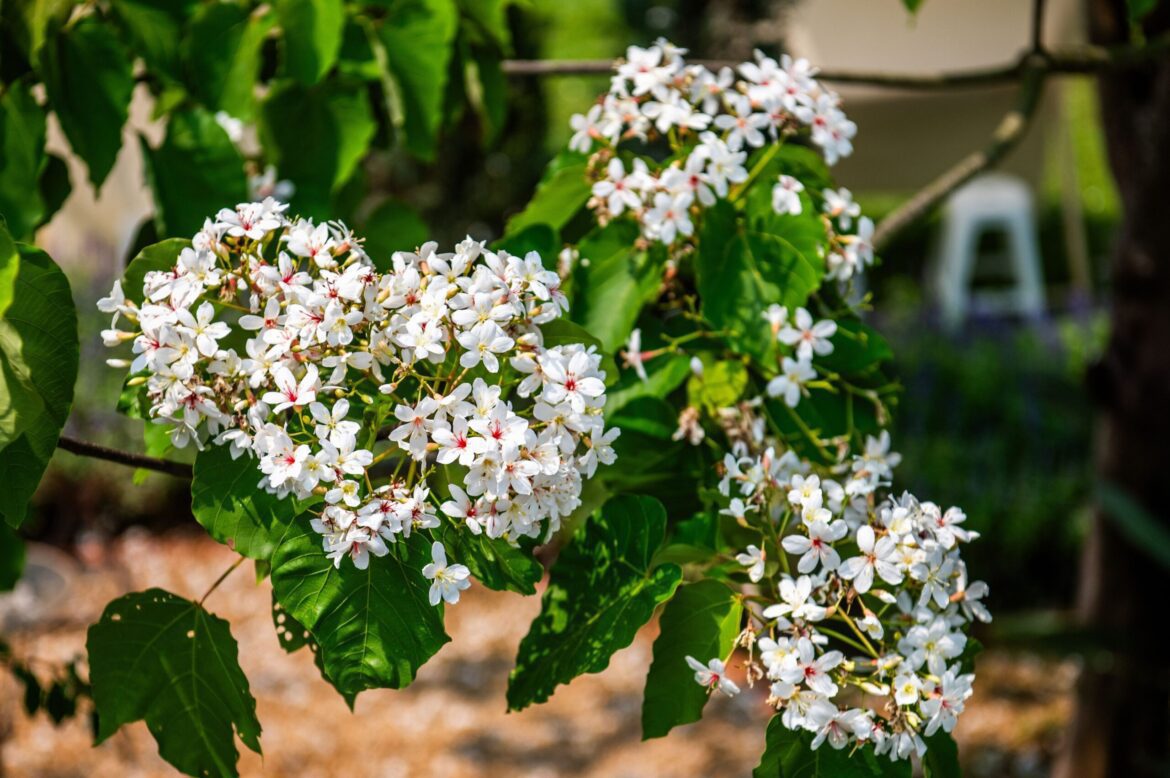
(452, 720)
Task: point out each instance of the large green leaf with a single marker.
(22, 149)
(88, 78)
(157, 657)
(789, 754)
(613, 281)
(38, 366)
(316, 137)
(195, 172)
(312, 37)
(375, 627)
(1138, 9)
(741, 272)
(221, 54)
(663, 376)
(560, 194)
(942, 757)
(602, 589)
(701, 620)
(418, 36)
(227, 501)
(11, 557)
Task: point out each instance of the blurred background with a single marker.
(995, 416)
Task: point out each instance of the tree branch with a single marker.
(1075, 60)
(84, 448)
(1012, 127)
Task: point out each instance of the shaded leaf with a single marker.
(316, 137)
(195, 172)
(11, 557)
(942, 757)
(312, 37)
(161, 256)
(701, 620)
(392, 226)
(493, 561)
(789, 754)
(602, 589)
(155, 29)
(419, 36)
(87, 75)
(613, 280)
(157, 657)
(22, 151)
(221, 53)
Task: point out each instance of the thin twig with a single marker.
(221, 579)
(1011, 129)
(1074, 60)
(84, 448)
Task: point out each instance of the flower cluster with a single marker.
(713, 123)
(280, 338)
(859, 624)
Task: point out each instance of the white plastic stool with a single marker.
(993, 201)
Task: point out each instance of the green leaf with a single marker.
(154, 28)
(162, 256)
(613, 281)
(560, 194)
(39, 355)
(221, 53)
(701, 620)
(316, 137)
(392, 226)
(789, 754)
(913, 5)
(540, 238)
(942, 757)
(491, 17)
(157, 657)
(22, 149)
(857, 348)
(376, 626)
(11, 557)
(741, 273)
(664, 374)
(601, 591)
(1138, 9)
(195, 172)
(487, 91)
(53, 187)
(493, 561)
(227, 501)
(312, 37)
(88, 78)
(419, 39)
(721, 385)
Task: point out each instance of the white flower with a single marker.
(447, 581)
(753, 560)
(793, 376)
(619, 190)
(632, 354)
(839, 205)
(876, 554)
(292, 394)
(786, 196)
(669, 217)
(712, 675)
(807, 337)
(817, 547)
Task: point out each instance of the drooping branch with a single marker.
(1011, 129)
(84, 448)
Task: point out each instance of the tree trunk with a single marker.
(1121, 724)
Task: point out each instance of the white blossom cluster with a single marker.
(861, 624)
(280, 338)
(713, 123)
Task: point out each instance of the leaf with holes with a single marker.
(156, 657)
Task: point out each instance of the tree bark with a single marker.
(1121, 722)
